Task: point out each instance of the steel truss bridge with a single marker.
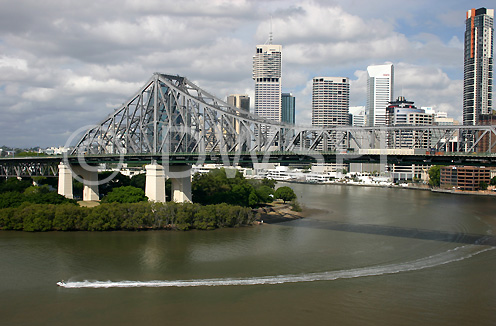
(170, 120)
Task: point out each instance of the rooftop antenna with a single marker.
(270, 34)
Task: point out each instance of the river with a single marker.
(363, 256)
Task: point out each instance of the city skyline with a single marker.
(67, 65)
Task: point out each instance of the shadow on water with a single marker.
(402, 232)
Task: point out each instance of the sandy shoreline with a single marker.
(277, 213)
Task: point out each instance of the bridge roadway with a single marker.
(47, 165)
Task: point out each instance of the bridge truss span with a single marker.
(170, 114)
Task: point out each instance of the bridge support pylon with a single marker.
(155, 183)
(66, 173)
(65, 181)
(180, 176)
(90, 178)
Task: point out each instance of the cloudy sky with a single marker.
(66, 64)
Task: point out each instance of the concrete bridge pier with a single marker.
(90, 182)
(180, 176)
(90, 190)
(65, 181)
(155, 183)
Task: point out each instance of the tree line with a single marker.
(221, 200)
(231, 187)
(123, 216)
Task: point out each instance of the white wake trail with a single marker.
(453, 255)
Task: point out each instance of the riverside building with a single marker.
(464, 177)
(478, 65)
(404, 113)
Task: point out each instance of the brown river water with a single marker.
(362, 256)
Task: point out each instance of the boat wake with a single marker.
(453, 255)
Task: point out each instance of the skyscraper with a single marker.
(380, 86)
(478, 65)
(267, 77)
(330, 101)
(288, 103)
(240, 101)
(358, 116)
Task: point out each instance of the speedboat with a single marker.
(62, 283)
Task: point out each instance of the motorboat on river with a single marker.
(62, 283)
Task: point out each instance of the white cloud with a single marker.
(69, 63)
(429, 86)
(88, 85)
(39, 94)
(13, 63)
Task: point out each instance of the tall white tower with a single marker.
(380, 85)
(478, 65)
(267, 77)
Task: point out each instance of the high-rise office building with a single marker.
(267, 77)
(330, 101)
(239, 101)
(404, 113)
(380, 86)
(478, 65)
(358, 116)
(288, 102)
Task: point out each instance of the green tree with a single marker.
(138, 181)
(483, 185)
(215, 188)
(13, 184)
(11, 199)
(128, 194)
(205, 218)
(6, 217)
(493, 181)
(69, 217)
(265, 194)
(38, 217)
(77, 189)
(271, 183)
(42, 195)
(119, 180)
(41, 180)
(435, 176)
(285, 193)
(253, 199)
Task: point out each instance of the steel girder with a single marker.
(27, 168)
(170, 114)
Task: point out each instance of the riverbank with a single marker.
(277, 213)
(123, 217)
(408, 187)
